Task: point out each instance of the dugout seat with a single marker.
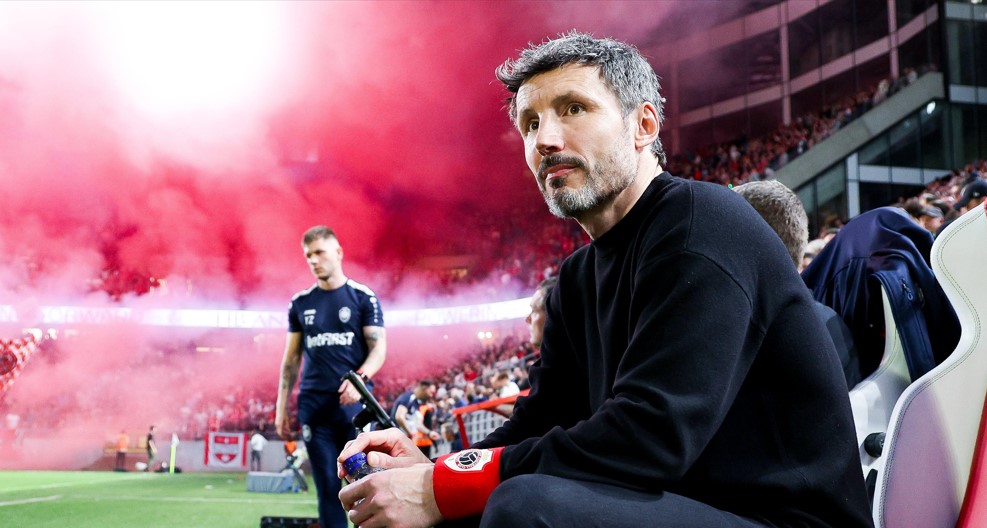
(933, 433)
(873, 399)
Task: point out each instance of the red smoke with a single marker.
(186, 146)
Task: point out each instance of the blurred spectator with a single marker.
(122, 444)
(414, 413)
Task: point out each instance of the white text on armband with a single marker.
(330, 338)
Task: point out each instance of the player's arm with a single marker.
(401, 417)
(290, 365)
(428, 421)
(376, 339)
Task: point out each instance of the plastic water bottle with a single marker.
(356, 467)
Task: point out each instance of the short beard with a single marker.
(612, 174)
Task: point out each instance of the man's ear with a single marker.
(646, 125)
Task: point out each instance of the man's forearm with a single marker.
(289, 373)
(376, 350)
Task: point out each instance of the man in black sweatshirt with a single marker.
(684, 379)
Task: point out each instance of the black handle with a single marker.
(377, 413)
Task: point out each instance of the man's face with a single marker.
(324, 256)
(536, 319)
(425, 393)
(577, 142)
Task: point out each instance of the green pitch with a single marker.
(92, 499)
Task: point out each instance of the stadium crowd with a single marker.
(757, 158)
(527, 250)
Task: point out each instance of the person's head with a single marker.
(150, 429)
(322, 252)
(973, 195)
(425, 390)
(931, 218)
(584, 105)
(499, 380)
(448, 432)
(914, 208)
(536, 319)
(783, 211)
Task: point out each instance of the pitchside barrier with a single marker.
(480, 419)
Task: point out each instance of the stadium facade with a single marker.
(774, 61)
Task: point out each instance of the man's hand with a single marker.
(283, 425)
(396, 498)
(348, 393)
(400, 497)
(387, 449)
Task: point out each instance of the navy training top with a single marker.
(331, 323)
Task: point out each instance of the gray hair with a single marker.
(624, 71)
(783, 211)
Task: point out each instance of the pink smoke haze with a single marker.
(193, 143)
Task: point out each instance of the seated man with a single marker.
(784, 212)
(684, 378)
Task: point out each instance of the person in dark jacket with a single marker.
(684, 378)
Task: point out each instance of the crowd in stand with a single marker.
(529, 250)
(746, 159)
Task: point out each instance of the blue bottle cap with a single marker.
(354, 463)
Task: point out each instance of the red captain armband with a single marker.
(463, 481)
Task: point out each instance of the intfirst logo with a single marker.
(330, 338)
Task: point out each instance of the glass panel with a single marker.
(920, 52)
(807, 193)
(964, 131)
(726, 71)
(803, 44)
(904, 143)
(693, 90)
(872, 72)
(871, 21)
(934, 152)
(907, 10)
(840, 90)
(808, 101)
(982, 137)
(680, 22)
(960, 42)
(763, 60)
(831, 184)
(875, 152)
(979, 52)
(837, 37)
(694, 137)
(874, 195)
(729, 128)
(765, 118)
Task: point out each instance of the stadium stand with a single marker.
(526, 250)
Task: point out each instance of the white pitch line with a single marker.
(28, 501)
(199, 499)
(69, 484)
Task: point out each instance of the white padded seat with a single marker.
(873, 399)
(933, 429)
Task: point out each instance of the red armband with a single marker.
(463, 481)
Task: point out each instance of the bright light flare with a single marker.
(187, 57)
